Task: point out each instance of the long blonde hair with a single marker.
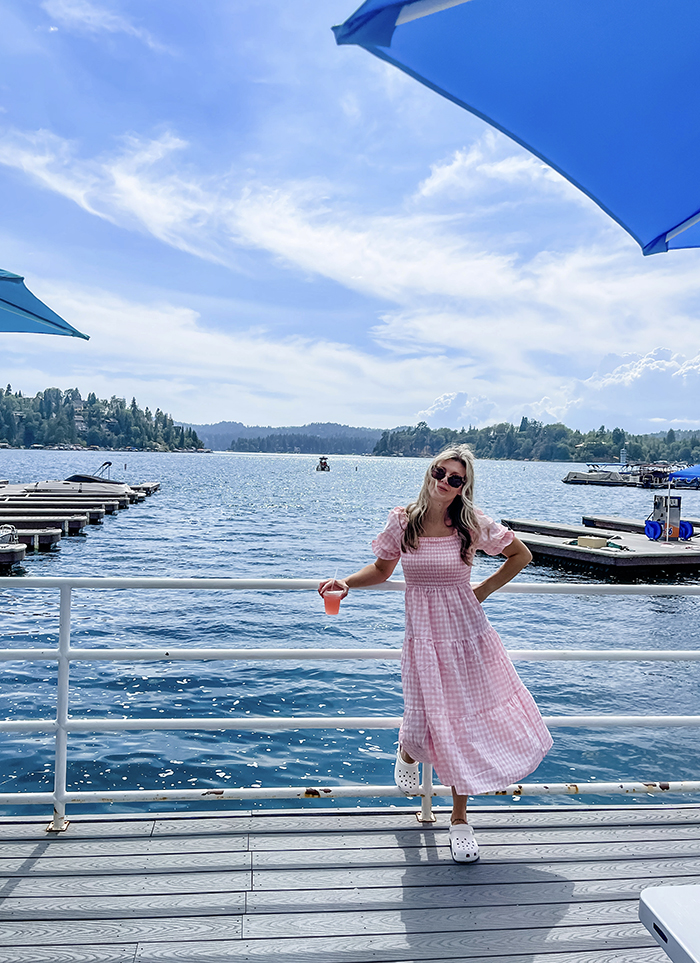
(461, 510)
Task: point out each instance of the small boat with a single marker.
(323, 464)
(624, 476)
(597, 476)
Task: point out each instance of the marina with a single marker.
(153, 875)
(39, 514)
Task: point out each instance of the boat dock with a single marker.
(41, 513)
(606, 550)
(553, 885)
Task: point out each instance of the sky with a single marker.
(253, 224)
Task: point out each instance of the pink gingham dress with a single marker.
(466, 711)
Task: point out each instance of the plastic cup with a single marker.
(331, 601)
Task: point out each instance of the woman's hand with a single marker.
(517, 557)
(481, 592)
(333, 585)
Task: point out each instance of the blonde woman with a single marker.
(466, 711)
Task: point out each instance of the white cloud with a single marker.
(488, 164)
(474, 319)
(88, 17)
(455, 409)
(661, 388)
(166, 356)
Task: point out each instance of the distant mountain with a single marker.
(223, 434)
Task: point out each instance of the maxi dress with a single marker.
(466, 711)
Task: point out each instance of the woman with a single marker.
(466, 711)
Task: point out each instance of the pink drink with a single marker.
(331, 601)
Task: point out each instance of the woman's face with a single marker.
(440, 489)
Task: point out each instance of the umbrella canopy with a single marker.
(689, 474)
(21, 311)
(607, 92)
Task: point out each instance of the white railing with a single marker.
(63, 724)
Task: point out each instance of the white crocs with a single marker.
(406, 775)
(463, 844)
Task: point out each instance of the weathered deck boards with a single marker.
(554, 885)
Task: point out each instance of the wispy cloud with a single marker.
(454, 305)
(167, 356)
(88, 17)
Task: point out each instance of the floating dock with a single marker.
(94, 515)
(40, 539)
(74, 504)
(68, 524)
(618, 551)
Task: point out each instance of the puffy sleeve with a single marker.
(492, 537)
(388, 544)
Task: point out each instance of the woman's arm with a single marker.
(517, 557)
(373, 574)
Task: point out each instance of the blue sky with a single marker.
(253, 224)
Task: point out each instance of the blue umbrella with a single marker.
(21, 311)
(687, 474)
(607, 92)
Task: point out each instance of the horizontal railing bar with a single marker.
(29, 655)
(257, 723)
(28, 725)
(265, 723)
(279, 584)
(344, 792)
(194, 655)
(30, 798)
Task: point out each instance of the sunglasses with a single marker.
(454, 481)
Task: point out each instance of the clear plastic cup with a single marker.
(331, 601)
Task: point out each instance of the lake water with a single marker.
(248, 515)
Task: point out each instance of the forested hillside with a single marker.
(55, 417)
(533, 441)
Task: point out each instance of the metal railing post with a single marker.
(59, 823)
(426, 814)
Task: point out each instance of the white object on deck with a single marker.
(672, 916)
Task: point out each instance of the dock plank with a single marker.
(361, 948)
(449, 874)
(389, 820)
(641, 849)
(97, 953)
(65, 846)
(416, 838)
(78, 887)
(114, 931)
(490, 919)
(136, 863)
(142, 905)
(411, 897)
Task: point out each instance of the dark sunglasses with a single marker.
(454, 481)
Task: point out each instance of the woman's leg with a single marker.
(406, 758)
(459, 808)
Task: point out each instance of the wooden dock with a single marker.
(554, 885)
(626, 553)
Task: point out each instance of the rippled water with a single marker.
(245, 515)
